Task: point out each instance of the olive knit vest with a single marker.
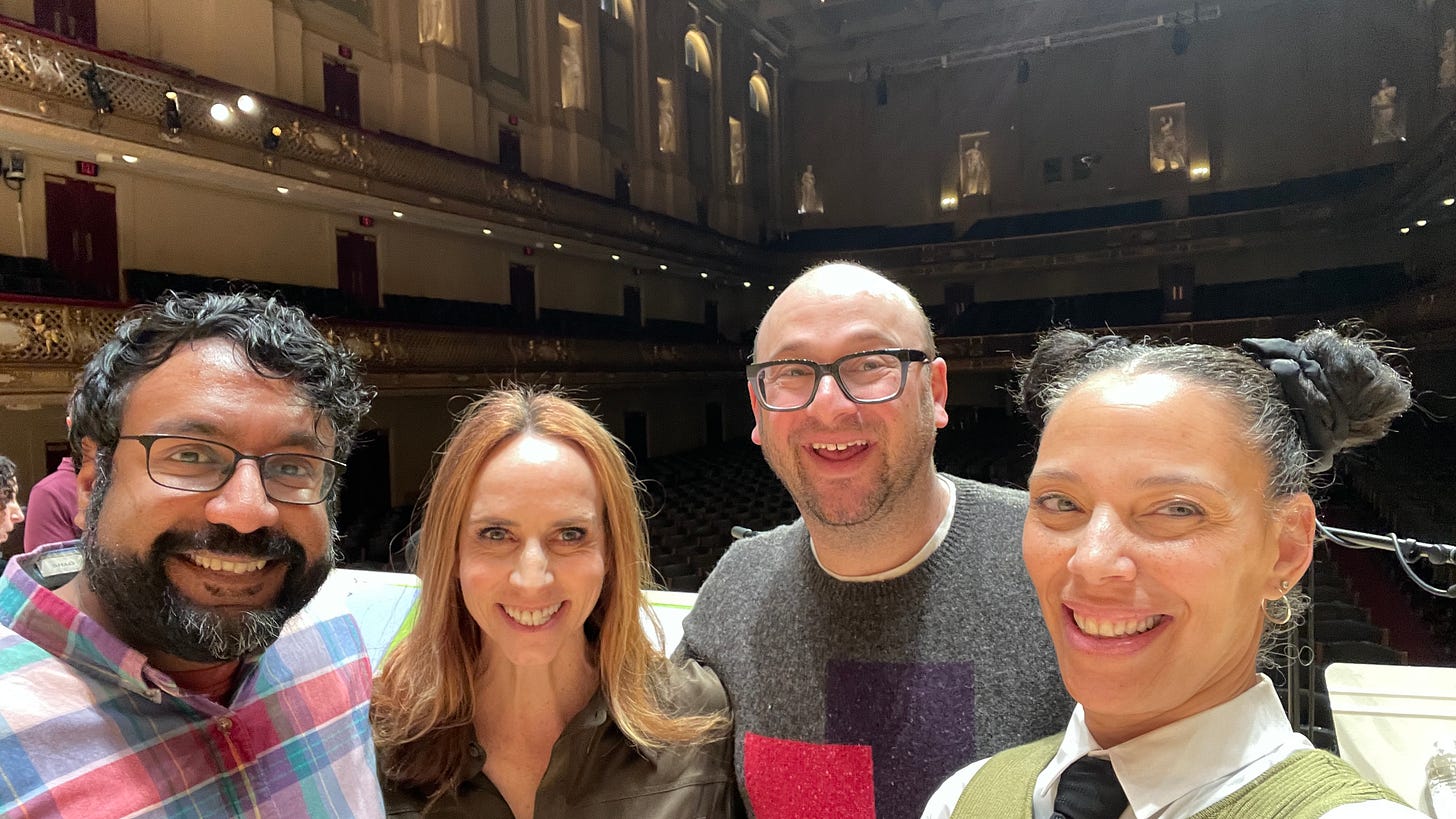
(1306, 785)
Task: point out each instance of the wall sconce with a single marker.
(172, 111)
(1198, 173)
(949, 202)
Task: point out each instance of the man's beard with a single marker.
(897, 471)
(146, 611)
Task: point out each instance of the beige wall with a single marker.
(183, 229)
(1273, 91)
(179, 227)
(435, 94)
(417, 261)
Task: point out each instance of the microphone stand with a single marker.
(1407, 550)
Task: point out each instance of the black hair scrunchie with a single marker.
(1323, 424)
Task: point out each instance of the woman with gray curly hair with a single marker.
(1169, 523)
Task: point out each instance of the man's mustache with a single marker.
(261, 544)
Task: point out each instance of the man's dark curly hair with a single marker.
(279, 342)
(9, 483)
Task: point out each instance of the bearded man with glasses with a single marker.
(890, 633)
(163, 668)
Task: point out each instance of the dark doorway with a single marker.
(710, 318)
(713, 423)
(81, 235)
(1176, 282)
(75, 19)
(632, 307)
(510, 150)
(358, 269)
(54, 452)
(959, 297)
(622, 186)
(523, 294)
(634, 435)
(364, 498)
(341, 91)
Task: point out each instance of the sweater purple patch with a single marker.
(919, 719)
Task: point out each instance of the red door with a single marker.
(358, 268)
(81, 239)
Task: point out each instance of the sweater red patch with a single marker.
(791, 780)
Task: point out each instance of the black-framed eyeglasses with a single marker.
(870, 377)
(199, 465)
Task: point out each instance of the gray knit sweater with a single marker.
(856, 700)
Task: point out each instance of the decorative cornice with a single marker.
(43, 345)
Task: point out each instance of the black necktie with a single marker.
(1089, 790)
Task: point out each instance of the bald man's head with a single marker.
(840, 282)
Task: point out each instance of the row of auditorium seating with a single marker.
(31, 276)
(1333, 292)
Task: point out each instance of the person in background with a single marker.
(175, 674)
(528, 687)
(1169, 525)
(53, 510)
(10, 512)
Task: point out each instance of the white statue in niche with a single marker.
(573, 92)
(809, 201)
(1448, 60)
(735, 151)
(438, 22)
(1384, 126)
(1170, 148)
(666, 119)
(975, 174)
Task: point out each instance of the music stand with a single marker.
(1388, 717)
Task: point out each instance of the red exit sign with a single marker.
(85, 168)
(366, 221)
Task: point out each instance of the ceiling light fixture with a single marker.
(1420, 223)
(662, 267)
(129, 159)
(398, 214)
(282, 189)
(247, 104)
(556, 245)
(220, 112)
(486, 231)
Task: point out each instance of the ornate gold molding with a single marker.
(43, 345)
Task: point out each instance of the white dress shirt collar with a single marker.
(1200, 757)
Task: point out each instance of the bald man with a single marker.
(890, 635)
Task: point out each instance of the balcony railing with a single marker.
(44, 78)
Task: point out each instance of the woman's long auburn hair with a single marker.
(423, 707)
